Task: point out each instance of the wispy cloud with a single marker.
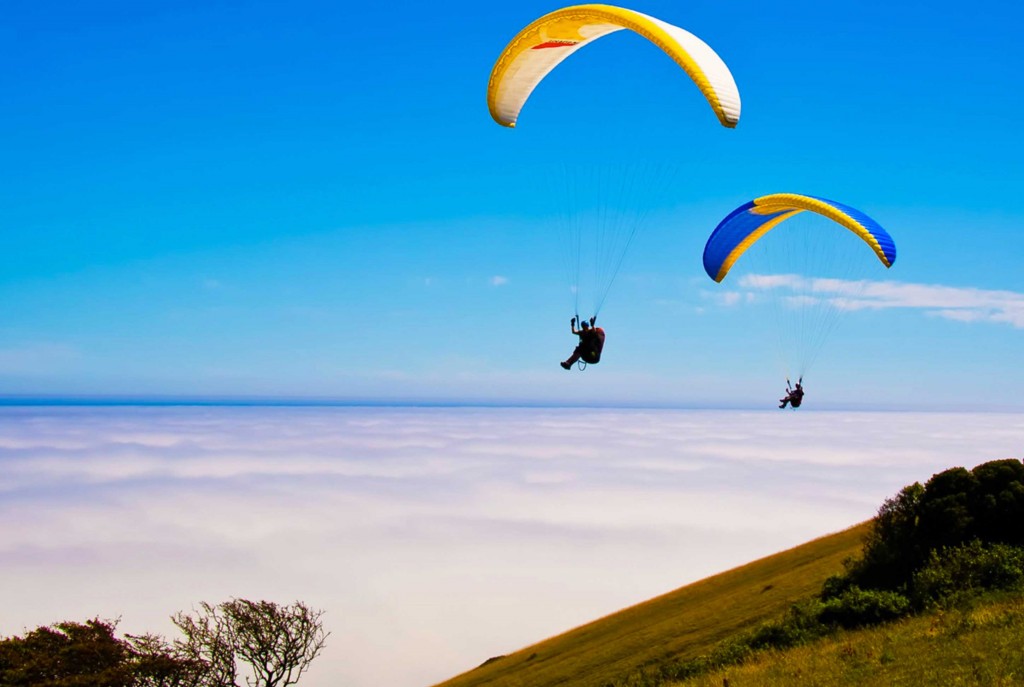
(962, 304)
(498, 280)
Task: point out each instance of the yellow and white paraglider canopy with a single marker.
(546, 42)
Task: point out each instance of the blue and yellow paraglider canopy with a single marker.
(745, 225)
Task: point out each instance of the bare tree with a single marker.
(277, 642)
(208, 640)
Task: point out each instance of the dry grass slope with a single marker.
(681, 624)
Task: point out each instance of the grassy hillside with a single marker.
(681, 624)
(975, 646)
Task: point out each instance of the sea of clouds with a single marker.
(433, 538)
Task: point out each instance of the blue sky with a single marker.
(260, 200)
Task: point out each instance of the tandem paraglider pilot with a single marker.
(794, 395)
(590, 346)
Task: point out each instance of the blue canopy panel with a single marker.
(749, 222)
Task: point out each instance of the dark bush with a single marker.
(998, 502)
(954, 507)
(89, 654)
(65, 655)
(891, 546)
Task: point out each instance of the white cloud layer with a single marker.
(415, 529)
(962, 304)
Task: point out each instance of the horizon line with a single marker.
(171, 400)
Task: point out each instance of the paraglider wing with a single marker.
(545, 43)
(749, 222)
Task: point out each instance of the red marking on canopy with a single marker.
(554, 44)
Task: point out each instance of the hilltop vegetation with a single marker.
(978, 644)
(936, 546)
(934, 551)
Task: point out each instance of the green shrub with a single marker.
(800, 625)
(856, 607)
(836, 585)
(955, 572)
